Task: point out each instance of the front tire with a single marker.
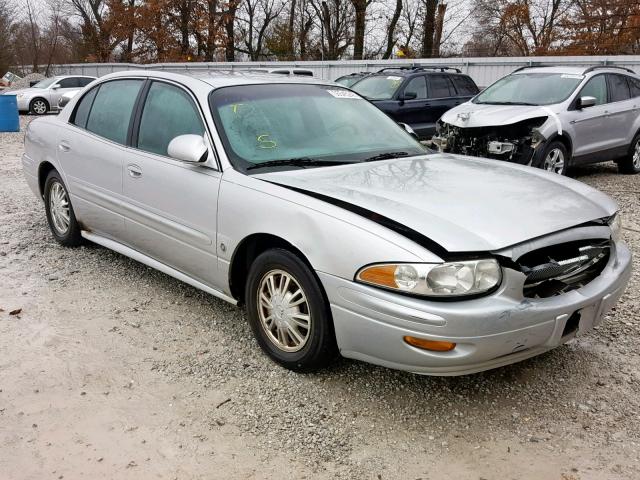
(60, 215)
(39, 106)
(554, 158)
(631, 163)
(288, 312)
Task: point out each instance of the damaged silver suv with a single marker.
(550, 118)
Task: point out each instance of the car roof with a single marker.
(220, 78)
(572, 70)
(408, 71)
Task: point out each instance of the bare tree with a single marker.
(391, 30)
(258, 15)
(7, 18)
(335, 18)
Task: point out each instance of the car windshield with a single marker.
(45, 83)
(347, 81)
(298, 125)
(378, 87)
(530, 89)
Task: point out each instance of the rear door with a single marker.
(92, 152)
(442, 97)
(621, 111)
(171, 205)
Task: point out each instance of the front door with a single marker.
(171, 205)
(590, 124)
(414, 111)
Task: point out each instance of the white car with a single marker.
(43, 97)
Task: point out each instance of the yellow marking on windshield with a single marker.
(264, 141)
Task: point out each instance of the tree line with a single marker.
(44, 32)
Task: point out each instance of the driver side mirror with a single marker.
(55, 87)
(585, 102)
(188, 148)
(408, 96)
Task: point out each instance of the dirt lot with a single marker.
(113, 370)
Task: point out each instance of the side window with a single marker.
(112, 107)
(634, 85)
(168, 113)
(464, 85)
(83, 108)
(68, 82)
(439, 86)
(418, 85)
(83, 82)
(596, 87)
(619, 88)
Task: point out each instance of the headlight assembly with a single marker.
(451, 279)
(615, 223)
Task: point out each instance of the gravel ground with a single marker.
(113, 370)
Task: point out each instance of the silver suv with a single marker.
(550, 118)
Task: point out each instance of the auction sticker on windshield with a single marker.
(343, 93)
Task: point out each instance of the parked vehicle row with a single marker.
(336, 229)
(44, 96)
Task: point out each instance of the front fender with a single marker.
(333, 240)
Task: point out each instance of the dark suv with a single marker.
(417, 96)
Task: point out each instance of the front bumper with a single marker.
(490, 332)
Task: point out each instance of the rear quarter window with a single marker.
(464, 85)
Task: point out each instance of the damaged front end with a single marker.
(516, 142)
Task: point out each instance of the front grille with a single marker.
(558, 269)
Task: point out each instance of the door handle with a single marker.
(64, 146)
(134, 171)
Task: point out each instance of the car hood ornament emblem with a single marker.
(464, 116)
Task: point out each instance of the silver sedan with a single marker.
(43, 97)
(333, 226)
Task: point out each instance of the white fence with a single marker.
(483, 70)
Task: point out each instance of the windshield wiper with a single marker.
(510, 103)
(386, 156)
(296, 162)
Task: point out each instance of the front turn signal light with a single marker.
(433, 345)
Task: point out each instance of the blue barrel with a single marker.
(9, 118)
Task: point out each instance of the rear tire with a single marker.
(39, 106)
(288, 312)
(631, 163)
(60, 215)
(554, 158)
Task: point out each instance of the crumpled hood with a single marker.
(470, 115)
(462, 203)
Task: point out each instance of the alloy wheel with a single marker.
(59, 208)
(39, 107)
(284, 311)
(554, 161)
(636, 155)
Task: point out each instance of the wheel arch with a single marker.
(43, 171)
(247, 251)
(563, 138)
